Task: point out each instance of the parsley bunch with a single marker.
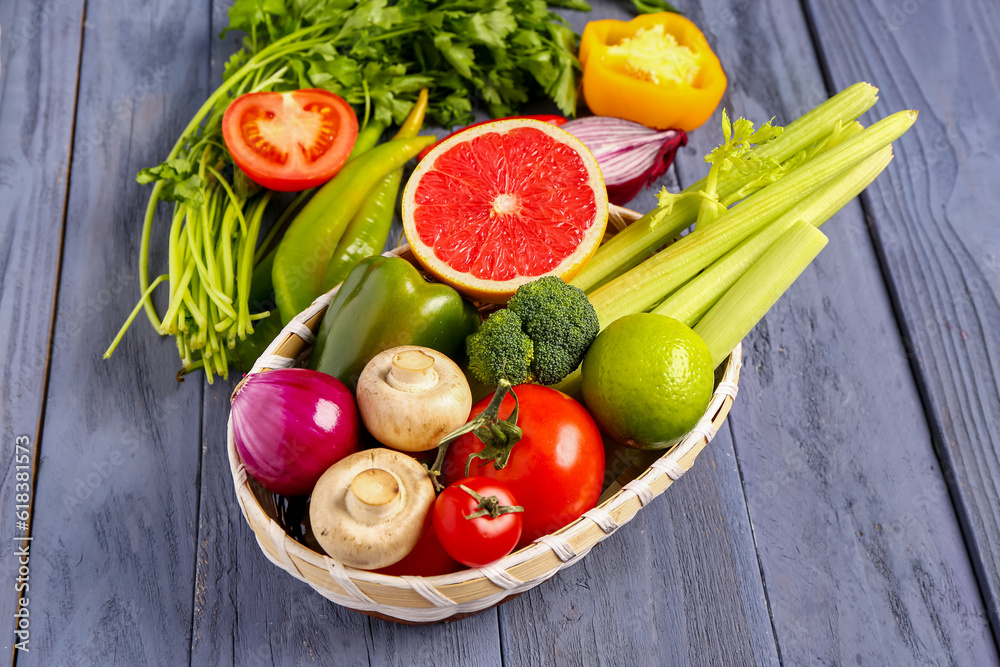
(378, 55)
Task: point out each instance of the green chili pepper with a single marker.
(369, 228)
(367, 138)
(367, 232)
(312, 238)
(385, 302)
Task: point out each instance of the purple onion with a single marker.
(631, 156)
(290, 425)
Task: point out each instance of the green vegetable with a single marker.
(809, 186)
(639, 240)
(739, 310)
(647, 284)
(500, 349)
(541, 336)
(561, 323)
(368, 230)
(368, 137)
(385, 302)
(734, 153)
(692, 301)
(312, 238)
(378, 55)
(653, 6)
(210, 264)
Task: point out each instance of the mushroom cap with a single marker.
(366, 536)
(407, 417)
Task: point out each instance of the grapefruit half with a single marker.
(502, 204)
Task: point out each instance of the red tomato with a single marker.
(545, 118)
(555, 471)
(476, 542)
(290, 141)
(427, 559)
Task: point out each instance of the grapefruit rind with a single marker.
(499, 291)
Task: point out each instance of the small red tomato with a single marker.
(290, 141)
(427, 559)
(555, 470)
(493, 530)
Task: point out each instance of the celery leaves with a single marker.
(736, 151)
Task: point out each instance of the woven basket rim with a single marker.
(413, 599)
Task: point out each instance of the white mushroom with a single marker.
(369, 509)
(410, 397)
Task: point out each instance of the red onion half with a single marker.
(290, 425)
(631, 155)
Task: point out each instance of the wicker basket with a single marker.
(449, 597)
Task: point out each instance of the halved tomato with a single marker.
(290, 141)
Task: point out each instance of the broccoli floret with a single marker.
(500, 349)
(541, 336)
(561, 323)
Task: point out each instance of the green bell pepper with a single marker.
(385, 302)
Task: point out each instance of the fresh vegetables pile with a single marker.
(377, 57)
(649, 330)
(589, 333)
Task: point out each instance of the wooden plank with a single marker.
(859, 547)
(39, 52)
(679, 584)
(115, 521)
(473, 641)
(934, 224)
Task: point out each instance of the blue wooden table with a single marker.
(848, 513)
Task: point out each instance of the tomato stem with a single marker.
(486, 426)
(488, 506)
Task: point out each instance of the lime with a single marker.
(647, 380)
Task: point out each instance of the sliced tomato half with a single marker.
(290, 141)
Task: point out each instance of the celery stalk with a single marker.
(746, 302)
(689, 303)
(631, 246)
(840, 134)
(645, 285)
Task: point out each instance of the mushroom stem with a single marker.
(374, 495)
(412, 370)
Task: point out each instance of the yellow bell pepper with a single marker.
(674, 87)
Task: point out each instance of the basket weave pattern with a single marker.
(431, 599)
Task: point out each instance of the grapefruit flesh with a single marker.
(501, 204)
